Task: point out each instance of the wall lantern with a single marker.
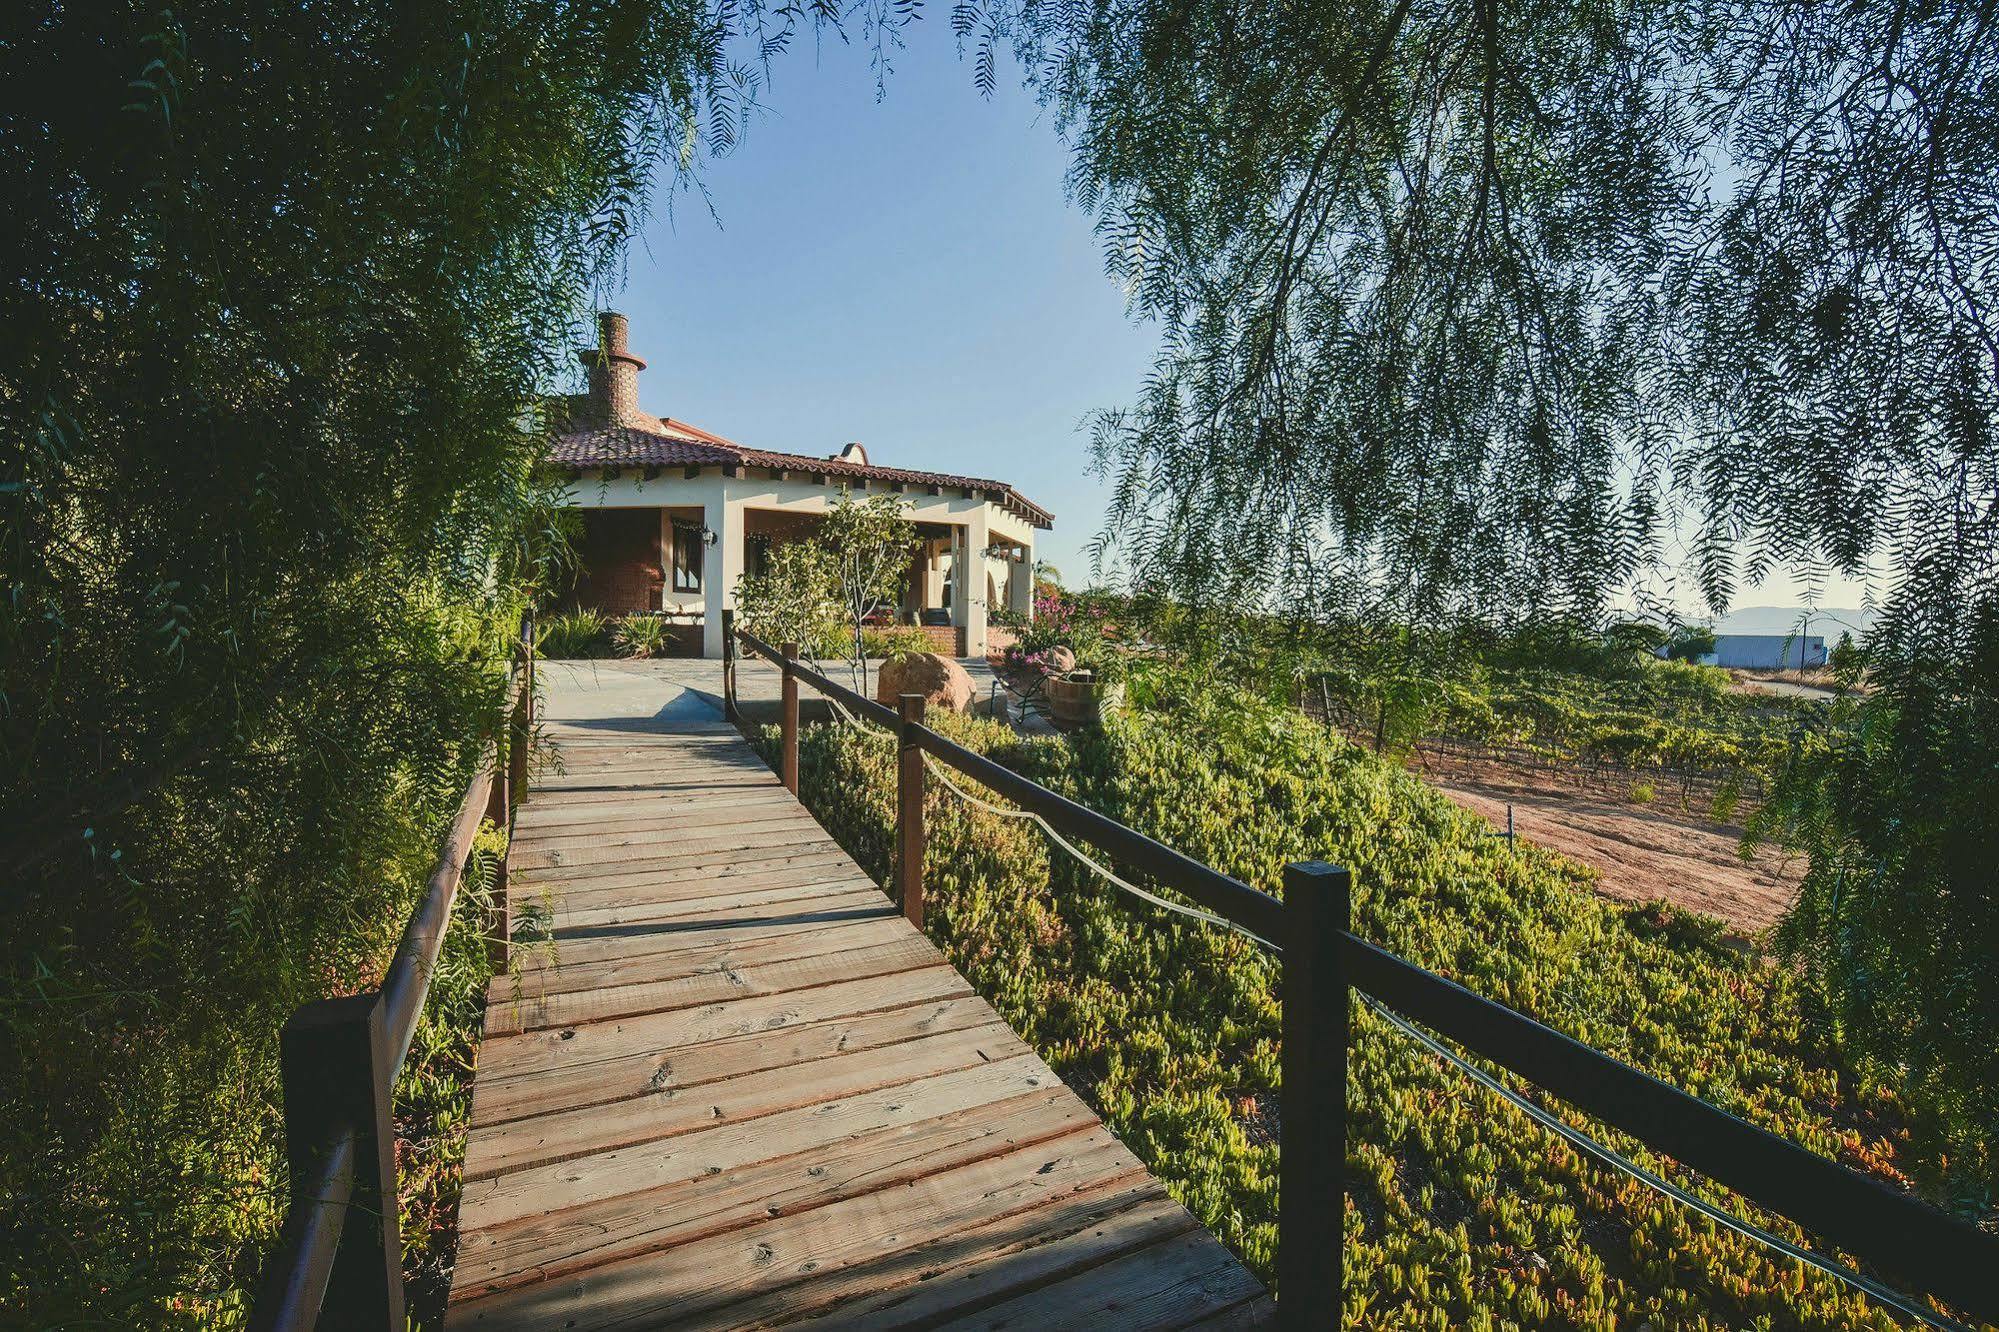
(709, 536)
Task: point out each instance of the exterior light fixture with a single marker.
(709, 536)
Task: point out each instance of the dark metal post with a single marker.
(521, 726)
(1311, 1214)
(499, 811)
(788, 691)
(335, 1061)
(729, 712)
(909, 809)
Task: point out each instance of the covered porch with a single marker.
(683, 559)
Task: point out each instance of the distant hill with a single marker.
(1828, 621)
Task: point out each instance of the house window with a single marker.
(686, 557)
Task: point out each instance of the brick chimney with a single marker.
(613, 399)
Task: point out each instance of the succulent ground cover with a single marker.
(1462, 1213)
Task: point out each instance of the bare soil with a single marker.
(1643, 852)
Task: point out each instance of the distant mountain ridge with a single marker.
(1825, 621)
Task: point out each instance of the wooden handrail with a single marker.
(340, 1059)
(1938, 1254)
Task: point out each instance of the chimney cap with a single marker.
(852, 452)
(611, 328)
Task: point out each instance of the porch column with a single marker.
(960, 587)
(1020, 584)
(721, 565)
(978, 536)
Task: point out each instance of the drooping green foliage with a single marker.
(284, 284)
(1465, 1214)
(1487, 312)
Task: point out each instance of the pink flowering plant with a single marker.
(1080, 623)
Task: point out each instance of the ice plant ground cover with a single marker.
(1462, 1213)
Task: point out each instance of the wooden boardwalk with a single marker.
(742, 1091)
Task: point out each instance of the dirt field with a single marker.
(1643, 852)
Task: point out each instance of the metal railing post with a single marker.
(788, 692)
(909, 809)
(521, 723)
(335, 1059)
(729, 712)
(1311, 1214)
(499, 811)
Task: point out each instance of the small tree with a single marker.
(869, 543)
(795, 599)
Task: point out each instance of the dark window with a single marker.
(686, 557)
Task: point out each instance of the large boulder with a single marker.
(942, 681)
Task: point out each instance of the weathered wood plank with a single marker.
(581, 885)
(662, 952)
(792, 826)
(974, 1269)
(574, 910)
(707, 854)
(559, 1244)
(649, 1065)
(1176, 1283)
(789, 1248)
(762, 1015)
(491, 1202)
(527, 1011)
(663, 1110)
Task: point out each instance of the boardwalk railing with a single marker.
(1929, 1251)
(339, 1256)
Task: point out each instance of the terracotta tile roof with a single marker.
(677, 444)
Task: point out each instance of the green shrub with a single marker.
(1464, 1213)
(574, 635)
(895, 642)
(642, 635)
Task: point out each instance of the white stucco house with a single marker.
(673, 515)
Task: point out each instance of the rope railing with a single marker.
(339, 1253)
(1310, 930)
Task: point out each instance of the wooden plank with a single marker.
(715, 867)
(614, 907)
(738, 1264)
(567, 950)
(1173, 1284)
(974, 1269)
(664, 1110)
(553, 964)
(526, 1010)
(557, 1244)
(752, 907)
(579, 909)
(763, 1015)
(648, 1065)
(1259, 1311)
(640, 962)
(536, 821)
(713, 851)
(579, 789)
(792, 826)
(491, 1202)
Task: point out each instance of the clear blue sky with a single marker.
(905, 272)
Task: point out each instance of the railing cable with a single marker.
(942, 774)
(1615, 1160)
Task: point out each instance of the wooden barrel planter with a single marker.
(1083, 700)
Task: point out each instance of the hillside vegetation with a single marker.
(1462, 1213)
